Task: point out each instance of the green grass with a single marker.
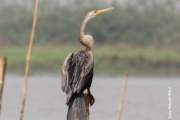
(109, 60)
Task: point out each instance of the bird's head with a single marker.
(87, 40)
(95, 13)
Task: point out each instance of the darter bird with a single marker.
(77, 73)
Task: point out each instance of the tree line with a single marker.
(145, 22)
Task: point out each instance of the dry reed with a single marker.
(28, 59)
(2, 76)
(122, 96)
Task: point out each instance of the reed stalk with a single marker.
(2, 76)
(122, 96)
(28, 59)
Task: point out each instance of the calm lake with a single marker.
(147, 98)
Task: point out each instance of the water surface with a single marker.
(146, 98)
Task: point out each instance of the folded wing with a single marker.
(77, 70)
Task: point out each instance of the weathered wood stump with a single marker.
(87, 102)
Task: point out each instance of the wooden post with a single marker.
(28, 59)
(122, 96)
(86, 99)
(2, 76)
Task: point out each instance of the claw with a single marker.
(91, 99)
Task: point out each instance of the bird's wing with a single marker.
(66, 72)
(84, 65)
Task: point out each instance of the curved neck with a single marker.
(82, 39)
(81, 31)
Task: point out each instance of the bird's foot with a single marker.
(91, 99)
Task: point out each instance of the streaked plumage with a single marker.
(77, 76)
(77, 73)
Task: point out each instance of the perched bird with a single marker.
(77, 73)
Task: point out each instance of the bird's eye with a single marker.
(95, 11)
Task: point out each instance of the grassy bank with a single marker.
(108, 59)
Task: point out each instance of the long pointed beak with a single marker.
(98, 12)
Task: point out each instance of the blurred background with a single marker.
(139, 36)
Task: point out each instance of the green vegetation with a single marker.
(108, 59)
(144, 22)
(142, 37)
